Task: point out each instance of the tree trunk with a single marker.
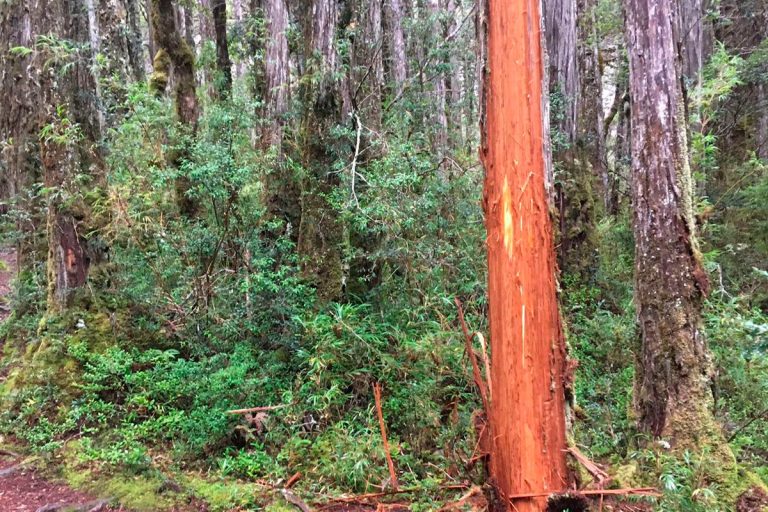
(320, 231)
(135, 49)
(368, 64)
(173, 50)
(398, 63)
(527, 416)
(560, 22)
(672, 393)
(223, 63)
(439, 118)
(276, 71)
(68, 156)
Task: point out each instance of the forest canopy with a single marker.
(384, 255)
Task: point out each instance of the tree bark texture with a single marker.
(398, 64)
(672, 393)
(276, 71)
(368, 64)
(527, 417)
(223, 62)
(175, 56)
(560, 22)
(320, 230)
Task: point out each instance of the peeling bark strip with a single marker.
(527, 416)
(672, 394)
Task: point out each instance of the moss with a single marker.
(158, 80)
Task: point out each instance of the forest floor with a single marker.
(23, 489)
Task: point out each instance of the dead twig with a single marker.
(292, 481)
(258, 409)
(634, 491)
(479, 382)
(592, 468)
(382, 426)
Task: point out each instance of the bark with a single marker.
(223, 63)
(320, 231)
(454, 79)
(527, 416)
(368, 64)
(439, 118)
(560, 22)
(398, 63)
(672, 393)
(174, 53)
(69, 95)
(276, 72)
(135, 49)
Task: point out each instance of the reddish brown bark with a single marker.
(527, 416)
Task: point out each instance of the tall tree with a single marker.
(70, 156)
(398, 64)
(368, 76)
(672, 390)
(175, 56)
(276, 71)
(562, 44)
(223, 62)
(320, 234)
(527, 416)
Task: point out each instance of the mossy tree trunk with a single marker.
(223, 62)
(321, 232)
(527, 412)
(70, 155)
(175, 57)
(673, 399)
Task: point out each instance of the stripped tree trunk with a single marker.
(672, 388)
(527, 417)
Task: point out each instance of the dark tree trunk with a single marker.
(175, 56)
(320, 230)
(66, 155)
(223, 63)
(672, 392)
(135, 49)
(560, 23)
(527, 413)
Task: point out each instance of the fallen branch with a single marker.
(295, 501)
(383, 427)
(362, 498)
(635, 491)
(257, 409)
(593, 469)
(292, 481)
(479, 382)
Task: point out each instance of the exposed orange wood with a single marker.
(527, 417)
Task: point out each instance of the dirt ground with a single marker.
(23, 490)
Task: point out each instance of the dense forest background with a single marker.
(210, 206)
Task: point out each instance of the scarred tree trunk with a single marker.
(527, 416)
(175, 56)
(223, 63)
(672, 393)
(70, 159)
(398, 64)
